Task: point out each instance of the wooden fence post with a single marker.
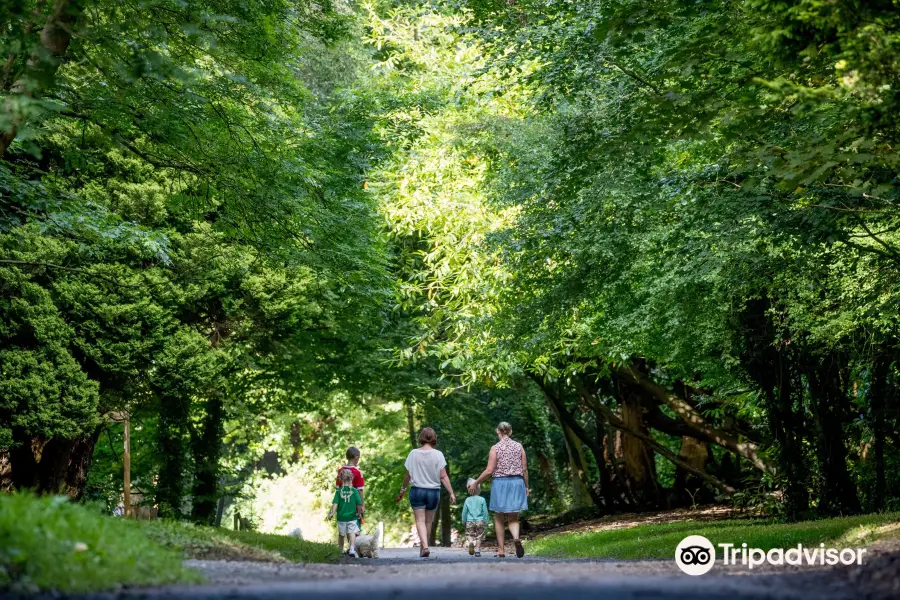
(127, 460)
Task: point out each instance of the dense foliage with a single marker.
(658, 237)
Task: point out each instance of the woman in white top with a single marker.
(426, 470)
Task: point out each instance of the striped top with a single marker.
(509, 459)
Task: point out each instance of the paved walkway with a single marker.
(452, 574)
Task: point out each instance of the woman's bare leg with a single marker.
(498, 529)
(422, 527)
(429, 522)
(513, 520)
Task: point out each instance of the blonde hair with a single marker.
(504, 428)
(346, 476)
(477, 487)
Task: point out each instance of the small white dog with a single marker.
(367, 545)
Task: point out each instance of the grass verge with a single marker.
(49, 543)
(291, 548)
(658, 541)
(224, 544)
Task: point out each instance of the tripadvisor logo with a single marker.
(696, 555)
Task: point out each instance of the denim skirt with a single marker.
(508, 495)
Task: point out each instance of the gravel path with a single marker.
(399, 573)
(451, 574)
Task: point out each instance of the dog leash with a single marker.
(368, 531)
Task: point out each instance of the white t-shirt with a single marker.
(424, 468)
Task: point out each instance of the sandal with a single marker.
(520, 551)
(424, 554)
(478, 553)
(500, 556)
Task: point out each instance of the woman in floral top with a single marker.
(508, 467)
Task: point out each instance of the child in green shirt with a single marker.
(474, 517)
(347, 504)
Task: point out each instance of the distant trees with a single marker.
(182, 225)
(674, 230)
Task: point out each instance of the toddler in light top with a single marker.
(475, 518)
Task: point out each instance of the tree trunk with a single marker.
(446, 520)
(769, 364)
(23, 460)
(172, 431)
(6, 484)
(220, 510)
(411, 425)
(637, 458)
(838, 491)
(612, 454)
(581, 486)
(576, 438)
(295, 442)
(548, 474)
(601, 410)
(58, 466)
(630, 375)
(877, 392)
(688, 488)
(206, 447)
(65, 464)
(583, 493)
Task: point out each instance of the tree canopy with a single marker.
(658, 237)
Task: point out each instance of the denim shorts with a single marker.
(424, 498)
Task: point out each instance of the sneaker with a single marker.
(352, 552)
(471, 548)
